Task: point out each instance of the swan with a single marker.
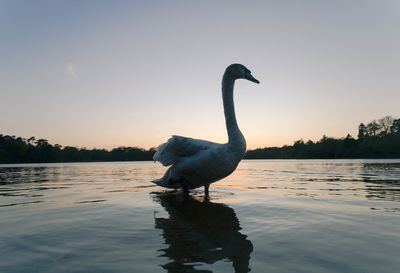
(195, 162)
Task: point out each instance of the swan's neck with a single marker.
(236, 139)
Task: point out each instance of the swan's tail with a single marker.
(164, 181)
(161, 182)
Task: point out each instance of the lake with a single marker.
(268, 216)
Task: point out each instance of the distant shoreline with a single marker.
(376, 140)
(151, 161)
(20, 151)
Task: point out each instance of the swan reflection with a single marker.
(200, 231)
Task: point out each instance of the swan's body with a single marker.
(197, 162)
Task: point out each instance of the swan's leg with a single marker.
(185, 190)
(206, 186)
(181, 181)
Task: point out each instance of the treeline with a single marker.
(377, 139)
(20, 150)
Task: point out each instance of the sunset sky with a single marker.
(131, 73)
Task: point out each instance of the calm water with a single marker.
(269, 216)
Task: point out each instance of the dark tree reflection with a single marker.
(382, 181)
(201, 232)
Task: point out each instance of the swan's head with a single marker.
(239, 71)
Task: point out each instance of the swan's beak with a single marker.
(251, 78)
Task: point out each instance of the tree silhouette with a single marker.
(385, 123)
(362, 131)
(375, 140)
(395, 128)
(373, 128)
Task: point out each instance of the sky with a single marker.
(104, 74)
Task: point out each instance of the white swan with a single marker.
(197, 162)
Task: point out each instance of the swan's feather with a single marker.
(178, 147)
(198, 162)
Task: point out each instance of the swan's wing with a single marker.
(177, 147)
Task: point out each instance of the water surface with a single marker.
(269, 216)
